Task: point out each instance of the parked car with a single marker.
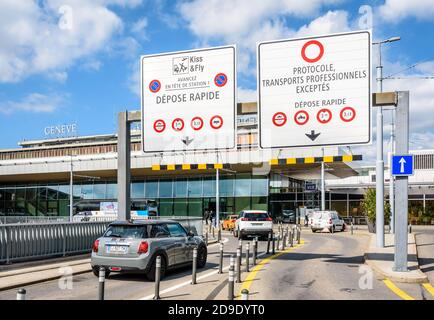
(253, 222)
(330, 220)
(133, 246)
(229, 222)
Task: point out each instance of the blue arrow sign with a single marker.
(402, 165)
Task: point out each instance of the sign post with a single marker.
(189, 100)
(402, 167)
(315, 91)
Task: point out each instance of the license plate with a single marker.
(117, 249)
(256, 224)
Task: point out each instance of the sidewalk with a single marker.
(381, 260)
(32, 275)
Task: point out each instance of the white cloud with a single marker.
(246, 22)
(396, 10)
(246, 95)
(36, 37)
(139, 28)
(34, 102)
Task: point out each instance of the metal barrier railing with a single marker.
(28, 241)
(20, 242)
(356, 220)
(31, 219)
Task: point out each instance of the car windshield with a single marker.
(256, 215)
(321, 215)
(125, 231)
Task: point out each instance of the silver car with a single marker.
(133, 246)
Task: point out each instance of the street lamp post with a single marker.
(379, 219)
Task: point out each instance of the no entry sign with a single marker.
(315, 91)
(181, 94)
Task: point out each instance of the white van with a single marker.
(326, 220)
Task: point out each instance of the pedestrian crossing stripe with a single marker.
(327, 159)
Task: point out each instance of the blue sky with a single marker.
(64, 61)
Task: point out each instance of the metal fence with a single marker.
(31, 241)
(21, 242)
(31, 219)
(357, 220)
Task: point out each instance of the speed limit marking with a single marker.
(197, 123)
(348, 114)
(159, 125)
(324, 115)
(178, 124)
(279, 119)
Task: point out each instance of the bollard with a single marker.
(244, 294)
(21, 294)
(298, 235)
(409, 228)
(238, 266)
(278, 241)
(206, 238)
(268, 243)
(240, 246)
(157, 278)
(247, 256)
(193, 275)
(287, 236)
(231, 279)
(221, 259)
(219, 234)
(283, 241)
(291, 238)
(255, 248)
(213, 232)
(352, 228)
(101, 280)
(274, 247)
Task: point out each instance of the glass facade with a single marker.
(179, 196)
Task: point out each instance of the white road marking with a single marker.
(183, 284)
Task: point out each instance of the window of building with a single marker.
(259, 186)
(138, 189)
(151, 189)
(195, 187)
(243, 185)
(180, 188)
(166, 189)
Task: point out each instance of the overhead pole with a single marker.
(125, 119)
(322, 183)
(71, 189)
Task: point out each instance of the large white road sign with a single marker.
(188, 100)
(315, 91)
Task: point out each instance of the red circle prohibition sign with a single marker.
(174, 122)
(216, 122)
(301, 117)
(324, 120)
(279, 119)
(155, 86)
(159, 125)
(309, 43)
(194, 123)
(346, 119)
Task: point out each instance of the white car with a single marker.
(253, 223)
(330, 220)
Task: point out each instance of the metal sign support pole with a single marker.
(217, 199)
(124, 162)
(71, 189)
(401, 184)
(322, 183)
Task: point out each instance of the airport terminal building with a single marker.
(35, 178)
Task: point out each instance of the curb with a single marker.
(32, 282)
(421, 278)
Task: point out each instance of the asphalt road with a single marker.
(325, 266)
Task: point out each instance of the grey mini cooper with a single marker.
(133, 246)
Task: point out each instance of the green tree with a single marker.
(369, 206)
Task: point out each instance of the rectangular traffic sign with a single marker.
(315, 91)
(189, 100)
(402, 165)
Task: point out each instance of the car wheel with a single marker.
(201, 257)
(151, 273)
(95, 270)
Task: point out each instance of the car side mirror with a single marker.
(190, 234)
